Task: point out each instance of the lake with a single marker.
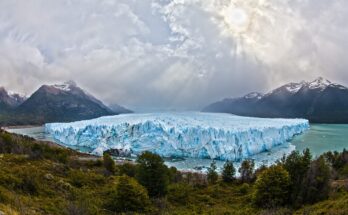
(319, 139)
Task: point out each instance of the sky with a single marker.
(171, 54)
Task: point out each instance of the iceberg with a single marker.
(189, 134)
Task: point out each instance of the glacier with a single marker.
(181, 134)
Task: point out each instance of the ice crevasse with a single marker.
(189, 134)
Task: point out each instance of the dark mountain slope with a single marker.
(319, 101)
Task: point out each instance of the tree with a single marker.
(297, 165)
(316, 184)
(228, 173)
(212, 175)
(272, 187)
(127, 196)
(109, 163)
(153, 174)
(247, 171)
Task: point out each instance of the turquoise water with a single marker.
(322, 138)
(319, 139)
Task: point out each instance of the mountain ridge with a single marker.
(320, 101)
(54, 103)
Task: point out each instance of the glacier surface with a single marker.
(189, 134)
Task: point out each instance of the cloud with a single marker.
(171, 54)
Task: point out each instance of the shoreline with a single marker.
(20, 126)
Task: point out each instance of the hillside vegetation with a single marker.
(40, 178)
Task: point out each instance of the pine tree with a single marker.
(247, 171)
(153, 174)
(316, 185)
(127, 196)
(228, 173)
(212, 174)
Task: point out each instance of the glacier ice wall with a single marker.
(191, 134)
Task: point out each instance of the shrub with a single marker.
(244, 188)
(174, 175)
(29, 182)
(109, 163)
(3, 197)
(127, 196)
(247, 171)
(272, 187)
(212, 174)
(228, 173)
(297, 165)
(316, 184)
(80, 179)
(127, 169)
(152, 174)
(179, 193)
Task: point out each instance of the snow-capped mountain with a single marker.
(57, 103)
(319, 101)
(9, 100)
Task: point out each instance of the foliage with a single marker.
(127, 196)
(212, 175)
(316, 183)
(272, 187)
(247, 171)
(128, 169)
(228, 172)
(338, 162)
(297, 165)
(109, 163)
(152, 174)
(34, 180)
(179, 193)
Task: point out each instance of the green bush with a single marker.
(81, 179)
(127, 169)
(228, 172)
(109, 163)
(152, 174)
(29, 182)
(316, 185)
(179, 193)
(297, 165)
(3, 196)
(127, 196)
(244, 188)
(272, 187)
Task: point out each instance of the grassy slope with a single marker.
(52, 185)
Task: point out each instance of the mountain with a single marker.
(320, 101)
(57, 103)
(9, 101)
(119, 109)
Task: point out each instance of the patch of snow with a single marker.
(253, 95)
(65, 86)
(294, 87)
(189, 134)
(320, 83)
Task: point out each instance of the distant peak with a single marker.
(66, 86)
(320, 82)
(71, 83)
